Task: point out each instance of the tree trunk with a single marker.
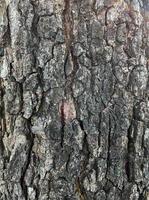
(74, 102)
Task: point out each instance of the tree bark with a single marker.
(74, 101)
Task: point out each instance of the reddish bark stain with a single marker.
(67, 110)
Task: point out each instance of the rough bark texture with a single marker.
(74, 102)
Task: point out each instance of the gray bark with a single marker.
(74, 102)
